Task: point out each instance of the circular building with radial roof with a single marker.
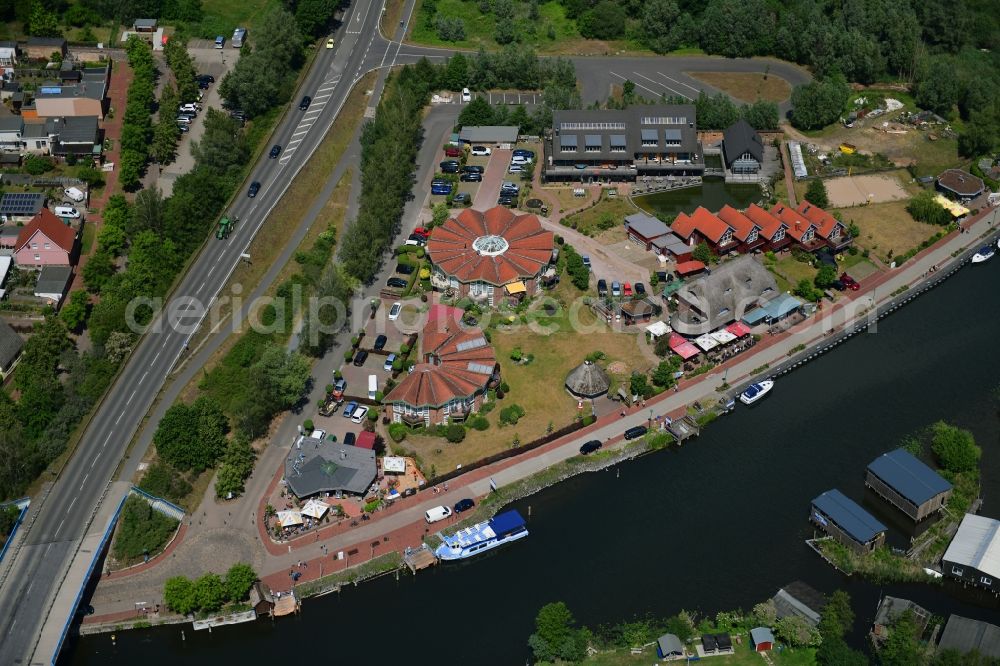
(490, 255)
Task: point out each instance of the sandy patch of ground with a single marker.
(856, 190)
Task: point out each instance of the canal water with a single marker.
(717, 525)
(713, 194)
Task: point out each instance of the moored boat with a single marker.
(985, 253)
(756, 391)
(498, 530)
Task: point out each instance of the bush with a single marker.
(455, 433)
(308, 426)
(955, 448)
(164, 481)
(142, 531)
(37, 165)
(397, 432)
(479, 423)
(511, 414)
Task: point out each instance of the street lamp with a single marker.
(651, 418)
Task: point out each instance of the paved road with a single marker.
(33, 571)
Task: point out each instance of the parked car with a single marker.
(339, 385)
(204, 85)
(420, 240)
(183, 119)
(521, 159)
(640, 289)
(461, 199)
(627, 289)
(616, 289)
(506, 201)
(220, 41)
(466, 95)
(838, 285)
(254, 189)
(275, 151)
(361, 412)
(508, 185)
(480, 151)
(441, 187)
(634, 432)
(67, 211)
(464, 505)
(590, 446)
(602, 287)
(395, 310)
(304, 104)
(515, 168)
(380, 343)
(471, 178)
(205, 77)
(586, 261)
(389, 360)
(472, 168)
(350, 439)
(188, 108)
(360, 358)
(849, 282)
(449, 166)
(396, 283)
(409, 492)
(183, 128)
(329, 43)
(349, 409)
(452, 151)
(404, 269)
(523, 152)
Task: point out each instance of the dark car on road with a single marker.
(380, 343)
(304, 104)
(404, 269)
(464, 505)
(590, 446)
(254, 189)
(360, 358)
(409, 492)
(849, 282)
(471, 177)
(396, 283)
(637, 431)
(275, 151)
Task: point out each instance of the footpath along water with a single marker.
(717, 525)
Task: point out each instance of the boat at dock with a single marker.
(756, 391)
(985, 253)
(481, 537)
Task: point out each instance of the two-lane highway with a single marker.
(59, 517)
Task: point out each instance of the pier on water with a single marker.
(419, 558)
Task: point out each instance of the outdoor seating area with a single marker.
(715, 347)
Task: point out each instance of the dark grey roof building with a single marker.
(844, 520)
(614, 144)
(799, 600)
(52, 282)
(908, 484)
(742, 148)
(642, 228)
(488, 134)
(889, 610)
(669, 646)
(965, 635)
(588, 380)
(960, 184)
(11, 345)
(322, 466)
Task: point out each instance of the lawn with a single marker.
(567, 200)
(789, 271)
(606, 214)
(747, 86)
(558, 347)
(221, 16)
(886, 228)
(742, 657)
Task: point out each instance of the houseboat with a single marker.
(502, 528)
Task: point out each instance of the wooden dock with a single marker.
(683, 428)
(419, 558)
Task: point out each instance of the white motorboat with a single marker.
(493, 533)
(985, 253)
(756, 392)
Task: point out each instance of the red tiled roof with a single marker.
(741, 224)
(769, 224)
(797, 225)
(529, 246)
(50, 225)
(703, 222)
(459, 363)
(825, 223)
(686, 267)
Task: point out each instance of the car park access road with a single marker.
(38, 561)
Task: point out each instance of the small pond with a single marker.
(713, 194)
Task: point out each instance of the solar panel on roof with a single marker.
(480, 368)
(21, 203)
(471, 344)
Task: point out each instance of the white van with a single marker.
(372, 386)
(436, 514)
(67, 211)
(74, 193)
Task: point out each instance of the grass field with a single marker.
(789, 271)
(743, 656)
(886, 227)
(747, 86)
(228, 14)
(589, 221)
(537, 386)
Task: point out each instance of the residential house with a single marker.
(745, 231)
(973, 556)
(11, 345)
(42, 48)
(671, 246)
(643, 229)
(45, 241)
(52, 283)
(610, 144)
(11, 90)
(829, 228)
(908, 484)
(457, 367)
(772, 230)
(722, 297)
(80, 136)
(8, 56)
(702, 226)
(965, 635)
(10, 133)
(21, 206)
(85, 97)
(742, 148)
(801, 230)
(845, 520)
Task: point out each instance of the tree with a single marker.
(819, 103)
(825, 276)
(239, 579)
(955, 448)
(36, 165)
(805, 289)
(222, 146)
(658, 20)
(663, 375)
(606, 20)
(555, 635)
(765, 614)
(702, 253)
(902, 647)
(237, 464)
(313, 16)
(639, 385)
(148, 212)
(90, 175)
(816, 193)
(736, 28)
(192, 437)
(43, 23)
(924, 208)
(74, 311)
(455, 75)
(477, 112)
(455, 433)
(179, 595)
(209, 593)
(795, 631)
(938, 87)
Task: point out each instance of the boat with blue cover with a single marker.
(985, 253)
(756, 391)
(481, 537)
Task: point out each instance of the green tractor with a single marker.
(225, 227)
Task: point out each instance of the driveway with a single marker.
(496, 172)
(604, 263)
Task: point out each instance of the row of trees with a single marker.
(210, 592)
(181, 90)
(137, 125)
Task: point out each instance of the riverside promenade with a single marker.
(218, 535)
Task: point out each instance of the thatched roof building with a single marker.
(587, 380)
